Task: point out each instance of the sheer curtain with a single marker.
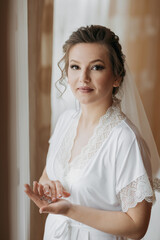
(72, 15)
(137, 25)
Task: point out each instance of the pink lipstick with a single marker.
(85, 89)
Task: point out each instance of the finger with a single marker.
(29, 191)
(40, 189)
(27, 187)
(47, 190)
(35, 187)
(59, 188)
(65, 193)
(53, 191)
(32, 195)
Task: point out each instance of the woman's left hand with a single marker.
(45, 204)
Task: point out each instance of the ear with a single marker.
(117, 82)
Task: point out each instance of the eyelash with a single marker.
(99, 67)
(73, 66)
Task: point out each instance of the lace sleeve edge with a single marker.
(138, 190)
(149, 199)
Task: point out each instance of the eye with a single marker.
(98, 67)
(74, 67)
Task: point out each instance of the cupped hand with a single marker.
(45, 203)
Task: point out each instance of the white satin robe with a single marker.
(111, 173)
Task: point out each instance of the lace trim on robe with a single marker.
(137, 191)
(107, 122)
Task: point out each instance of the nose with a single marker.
(84, 76)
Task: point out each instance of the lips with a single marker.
(85, 89)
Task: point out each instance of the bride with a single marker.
(97, 182)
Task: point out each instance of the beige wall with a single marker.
(141, 24)
(144, 58)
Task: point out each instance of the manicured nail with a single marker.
(40, 211)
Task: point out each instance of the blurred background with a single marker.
(32, 35)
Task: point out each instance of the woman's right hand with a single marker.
(52, 189)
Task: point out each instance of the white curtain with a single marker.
(71, 14)
(68, 16)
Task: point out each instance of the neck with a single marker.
(91, 113)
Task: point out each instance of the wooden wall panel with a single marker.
(40, 26)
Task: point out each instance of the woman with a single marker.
(97, 179)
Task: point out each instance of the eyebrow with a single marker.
(96, 60)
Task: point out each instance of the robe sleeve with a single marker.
(133, 183)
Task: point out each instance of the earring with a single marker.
(116, 84)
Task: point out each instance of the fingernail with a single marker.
(60, 195)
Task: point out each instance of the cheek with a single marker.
(71, 81)
(72, 77)
(105, 83)
(102, 82)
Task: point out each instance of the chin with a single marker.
(85, 101)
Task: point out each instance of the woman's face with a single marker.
(90, 74)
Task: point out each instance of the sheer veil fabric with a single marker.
(132, 106)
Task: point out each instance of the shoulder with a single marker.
(131, 147)
(126, 132)
(127, 136)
